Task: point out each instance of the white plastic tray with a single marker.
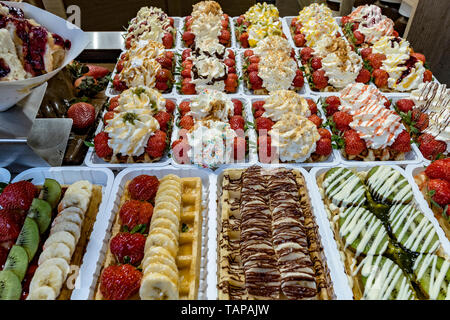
(248, 117)
(340, 275)
(102, 230)
(5, 176)
(93, 161)
(70, 175)
(332, 257)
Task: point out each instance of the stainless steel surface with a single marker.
(105, 40)
(16, 122)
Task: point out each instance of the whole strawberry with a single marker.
(143, 187)
(342, 120)
(3, 256)
(10, 225)
(431, 147)
(354, 145)
(405, 105)
(439, 169)
(128, 248)
(82, 114)
(18, 195)
(402, 143)
(120, 282)
(101, 146)
(134, 213)
(439, 191)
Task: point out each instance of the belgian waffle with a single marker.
(259, 189)
(188, 220)
(386, 154)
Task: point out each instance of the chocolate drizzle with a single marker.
(4, 69)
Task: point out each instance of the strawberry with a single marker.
(365, 53)
(355, 26)
(143, 187)
(342, 120)
(323, 146)
(402, 143)
(265, 148)
(333, 100)
(439, 169)
(243, 39)
(128, 248)
(441, 190)
(418, 56)
(10, 224)
(3, 256)
(299, 40)
(156, 144)
(319, 79)
(18, 195)
(306, 54)
(120, 282)
(298, 81)
(345, 20)
(167, 40)
(237, 122)
(253, 67)
(113, 103)
(376, 60)
(188, 88)
(359, 37)
(96, 72)
(231, 54)
(134, 213)
(163, 118)
(422, 121)
(381, 78)
(188, 38)
(170, 106)
(101, 146)
(108, 116)
(427, 76)
(229, 62)
(163, 75)
(187, 122)
(312, 106)
(248, 53)
(324, 133)
(224, 36)
(316, 120)
(354, 145)
(118, 84)
(184, 107)
(186, 54)
(258, 105)
(431, 148)
(82, 114)
(405, 105)
(255, 80)
(165, 62)
(363, 76)
(263, 123)
(239, 148)
(237, 107)
(254, 59)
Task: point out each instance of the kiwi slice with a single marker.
(29, 237)
(52, 192)
(10, 287)
(41, 211)
(17, 261)
(412, 229)
(362, 231)
(383, 279)
(388, 186)
(433, 274)
(344, 187)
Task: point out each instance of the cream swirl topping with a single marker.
(373, 24)
(295, 137)
(209, 70)
(212, 104)
(140, 72)
(277, 70)
(281, 102)
(150, 23)
(272, 43)
(129, 131)
(141, 98)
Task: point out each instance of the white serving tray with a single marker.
(332, 256)
(102, 229)
(340, 274)
(70, 175)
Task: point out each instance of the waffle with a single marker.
(235, 256)
(386, 154)
(89, 218)
(188, 249)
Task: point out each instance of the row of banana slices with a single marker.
(60, 245)
(160, 271)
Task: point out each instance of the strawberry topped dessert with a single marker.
(207, 26)
(289, 129)
(137, 127)
(151, 23)
(312, 23)
(394, 66)
(146, 63)
(271, 66)
(426, 114)
(28, 49)
(364, 126)
(212, 130)
(260, 21)
(366, 25)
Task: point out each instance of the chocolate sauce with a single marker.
(409, 64)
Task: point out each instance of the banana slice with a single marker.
(175, 208)
(83, 187)
(165, 224)
(170, 177)
(78, 200)
(68, 226)
(167, 214)
(155, 286)
(174, 190)
(165, 231)
(60, 263)
(42, 293)
(74, 210)
(162, 240)
(169, 262)
(169, 199)
(61, 237)
(158, 251)
(155, 267)
(56, 250)
(68, 216)
(49, 275)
